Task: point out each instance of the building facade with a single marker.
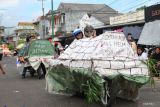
(41, 26)
(68, 15)
(127, 23)
(24, 29)
(2, 29)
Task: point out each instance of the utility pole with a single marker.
(52, 18)
(43, 20)
(1, 14)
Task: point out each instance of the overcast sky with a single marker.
(14, 11)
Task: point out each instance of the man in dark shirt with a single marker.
(156, 55)
(1, 55)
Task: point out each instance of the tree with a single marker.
(141, 8)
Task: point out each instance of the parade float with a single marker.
(39, 52)
(100, 69)
(35, 56)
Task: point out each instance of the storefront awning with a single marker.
(150, 34)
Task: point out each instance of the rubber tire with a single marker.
(110, 86)
(39, 72)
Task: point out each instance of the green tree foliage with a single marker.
(11, 47)
(141, 8)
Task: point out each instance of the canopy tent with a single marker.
(134, 30)
(150, 34)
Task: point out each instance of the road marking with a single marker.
(148, 104)
(16, 91)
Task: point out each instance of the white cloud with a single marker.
(8, 3)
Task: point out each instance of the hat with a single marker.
(76, 32)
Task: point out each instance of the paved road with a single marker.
(30, 92)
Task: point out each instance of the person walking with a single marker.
(22, 56)
(1, 55)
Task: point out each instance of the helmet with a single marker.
(76, 32)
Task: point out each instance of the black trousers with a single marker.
(24, 71)
(43, 68)
(40, 67)
(1, 55)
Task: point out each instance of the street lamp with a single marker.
(43, 20)
(52, 19)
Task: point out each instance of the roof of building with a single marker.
(85, 7)
(122, 24)
(104, 17)
(102, 12)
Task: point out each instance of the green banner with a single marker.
(41, 48)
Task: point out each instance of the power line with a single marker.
(99, 10)
(139, 5)
(158, 2)
(128, 4)
(112, 2)
(135, 6)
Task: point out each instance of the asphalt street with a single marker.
(30, 92)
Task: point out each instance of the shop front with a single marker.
(128, 23)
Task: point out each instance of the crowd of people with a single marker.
(23, 58)
(89, 31)
(145, 52)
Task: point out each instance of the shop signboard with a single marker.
(126, 18)
(41, 48)
(25, 27)
(152, 13)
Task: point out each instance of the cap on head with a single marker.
(76, 32)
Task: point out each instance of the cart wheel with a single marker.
(32, 72)
(39, 72)
(108, 93)
(105, 95)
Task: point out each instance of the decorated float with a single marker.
(100, 69)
